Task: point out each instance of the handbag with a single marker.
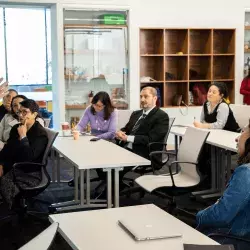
(177, 99)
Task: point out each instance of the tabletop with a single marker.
(86, 154)
(99, 229)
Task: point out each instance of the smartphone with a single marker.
(95, 139)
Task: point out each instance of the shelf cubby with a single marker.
(176, 68)
(223, 67)
(223, 41)
(200, 68)
(178, 58)
(175, 88)
(151, 41)
(152, 66)
(200, 41)
(176, 40)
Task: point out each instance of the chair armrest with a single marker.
(162, 152)
(174, 162)
(155, 143)
(228, 236)
(27, 166)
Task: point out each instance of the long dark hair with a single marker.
(104, 98)
(245, 158)
(15, 97)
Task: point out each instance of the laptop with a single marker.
(145, 229)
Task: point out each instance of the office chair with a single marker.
(30, 192)
(239, 243)
(188, 176)
(157, 162)
(44, 240)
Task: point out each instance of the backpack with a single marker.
(199, 94)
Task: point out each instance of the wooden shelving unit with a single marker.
(179, 58)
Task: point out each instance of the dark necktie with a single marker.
(137, 124)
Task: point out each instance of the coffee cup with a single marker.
(76, 134)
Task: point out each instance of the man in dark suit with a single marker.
(150, 124)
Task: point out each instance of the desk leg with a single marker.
(81, 187)
(214, 173)
(58, 168)
(117, 187)
(76, 174)
(54, 162)
(109, 187)
(87, 187)
(176, 145)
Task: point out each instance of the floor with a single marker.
(14, 234)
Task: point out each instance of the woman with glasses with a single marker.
(27, 143)
(11, 119)
(101, 116)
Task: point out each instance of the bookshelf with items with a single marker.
(176, 60)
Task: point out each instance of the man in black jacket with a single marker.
(150, 124)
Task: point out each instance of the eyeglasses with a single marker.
(23, 112)
(99, 106)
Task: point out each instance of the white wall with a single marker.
(169, 13)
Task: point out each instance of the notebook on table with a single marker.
(147, 229)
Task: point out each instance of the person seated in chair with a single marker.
(230, 214)
(27, 143)
(12, 118)
(149, 124)
(216, 113)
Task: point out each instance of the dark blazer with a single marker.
(29, 149)
(153, 129)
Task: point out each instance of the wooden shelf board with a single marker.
(200, 80)
(200, 54)
(223, 80)
(176, 55)
(247, 50)
(247, 27)
(176, 81)
(226, 54)
(144, 55)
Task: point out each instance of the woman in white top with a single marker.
(11, 119)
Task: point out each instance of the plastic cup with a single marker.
(76, 134)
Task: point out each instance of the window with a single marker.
(25, 40)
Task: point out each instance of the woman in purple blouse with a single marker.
(101, 116)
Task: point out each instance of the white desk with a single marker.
(98, 230)
(223, 143)
(86, 155)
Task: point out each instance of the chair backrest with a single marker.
(171, 122)
(123, 118)
(190, 149)
(42, 241)
(241, 114)
(51, 138)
